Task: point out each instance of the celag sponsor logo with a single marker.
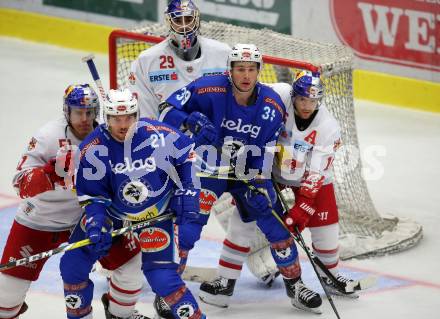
(404, 32)
(154, 239)
(163, 76)
(238, 127)
(148, 164)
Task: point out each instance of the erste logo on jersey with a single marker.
(134, 193)
(302, 146)
(154, 239)
(239, 127)
(148, 165)
(163, 76)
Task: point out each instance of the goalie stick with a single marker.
(69, 246)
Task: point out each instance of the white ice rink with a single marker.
(32, 81)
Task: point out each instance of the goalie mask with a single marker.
(183, 18)
(79, 96)
(120, 102)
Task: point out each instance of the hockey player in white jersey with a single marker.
(49, 209)
(178, 60)
(304, 167)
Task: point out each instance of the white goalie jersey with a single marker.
(57, 209)
(158, 72)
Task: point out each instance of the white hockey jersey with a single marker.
(305, 152)
(158, 72)
(54, 210)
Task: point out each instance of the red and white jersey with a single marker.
(56, 209)
(306, 152)
(158, 72)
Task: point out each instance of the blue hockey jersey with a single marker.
(237, 125)
(133, 180)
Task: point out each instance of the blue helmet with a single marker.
(80, 96)
(308, 84)
(183, 18)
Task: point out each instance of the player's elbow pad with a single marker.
(33, 182)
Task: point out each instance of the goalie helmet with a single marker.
(245, 53)
(183, 18)
(79, 96)
(308, 84)
(120, 102)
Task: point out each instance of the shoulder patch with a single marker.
(95, 141)
(275, 104)
(32, 144)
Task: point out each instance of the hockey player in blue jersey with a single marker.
(235, 120)
(135, 174)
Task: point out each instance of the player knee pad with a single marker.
(12, 294)
(76, 265)
(325, 243)
(272, 229)
(164, 281)
(78, 298)
(285, 256)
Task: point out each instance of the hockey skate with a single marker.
(341, 286)
(302, 297)
(163, 311)
(108, 315)
(217, 292)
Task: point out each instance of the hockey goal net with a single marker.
(364, 232)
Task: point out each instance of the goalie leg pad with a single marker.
(12, 294)
(223, 209)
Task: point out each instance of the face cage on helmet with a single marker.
(182, 34)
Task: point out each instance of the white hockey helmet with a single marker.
(120, 102)
(245, 53)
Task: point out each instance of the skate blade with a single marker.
(218, 301)
(300, 306)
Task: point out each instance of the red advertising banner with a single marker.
(404, 32)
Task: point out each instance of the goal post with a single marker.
(363, 231)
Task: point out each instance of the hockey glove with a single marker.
(57, 169)
(204, 131)
(98, 229)
(185, 204)
(189, 234)
(263, 201)
(300, 214)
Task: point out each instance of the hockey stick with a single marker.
(95, 75)
(69, 246)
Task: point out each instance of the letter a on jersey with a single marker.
(311, 138)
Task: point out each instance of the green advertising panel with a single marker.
(129, 9)
(272, 14)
